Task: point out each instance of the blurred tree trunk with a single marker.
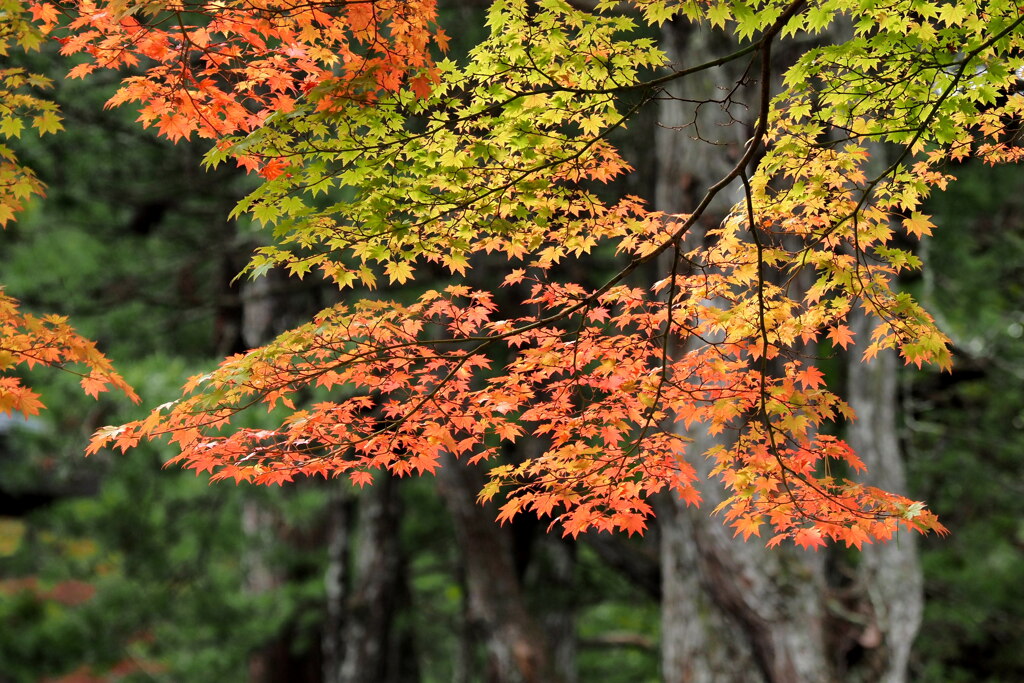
(367, 589)
(366, 581)
(517, 578)
(278, 659)
(553, 584)
(341, 518)
(888, 579)
(732, 610)
(245, 320)
(516, 648)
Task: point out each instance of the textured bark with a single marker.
(733, 611)
(367, 590)
(889, 575)
(555, 562)
(503, 567)
(514, 641)
(245, 320)
(340, 531)
(260, 578)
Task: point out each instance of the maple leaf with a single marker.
(610, 435)
(361, 477)
(176, 126)
(747, 526)
(399, 271)
(93, 385)
(32, 341)
(811, 377)
(841, 335)
(918, 225)
(81, 70)
(808, 538)
(515, 277)
(854, 536)
(689, 495)
(631, 523)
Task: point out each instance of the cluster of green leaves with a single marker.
(20, 107)
(490, 159)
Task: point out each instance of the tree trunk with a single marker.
(245, 321)
(514, 642)
(552, 582)
(366, 591)
(732, 610)
(888, 578)
(341, 515)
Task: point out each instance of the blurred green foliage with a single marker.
(133, 245)
(966, 433)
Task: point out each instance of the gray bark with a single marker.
(366, 591)
(700, 134)
(731, 611)
(260, 577)
(734, 611)
(555, 573)
(517, 651)
(889, 574)
(340, 532)
(277, 659)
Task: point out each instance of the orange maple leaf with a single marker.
(841, 335)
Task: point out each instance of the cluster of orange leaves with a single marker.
(27, 340)
(606, 388)
(221, 67)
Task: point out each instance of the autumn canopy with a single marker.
(382, 160)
